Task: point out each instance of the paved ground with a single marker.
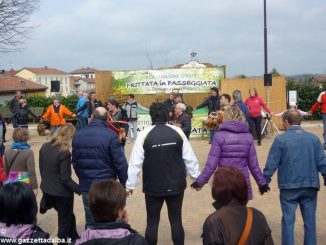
(197, 205)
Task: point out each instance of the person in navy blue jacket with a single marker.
(237, 97)
(97, 155)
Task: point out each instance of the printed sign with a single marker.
(188, 80)
(198, 131)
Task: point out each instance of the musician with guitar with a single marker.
(118, 120)
(213, 105)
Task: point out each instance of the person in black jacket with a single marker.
(170, 102)
(182, 119)
(20, 117)
(107, 201)
(14, 105)
(213, 105)
(164, 154)
(57, 186)
(97, 155)
(18, 209)
(119, 120)
(93, 103)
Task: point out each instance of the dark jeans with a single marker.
(66, 218)
(14, 122)
(88, 214)
(153, 208)
(307, 200)
(81, 122)
(211, 134)
(255, 122)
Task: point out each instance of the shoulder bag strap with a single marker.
(13, 160)
(247, 228)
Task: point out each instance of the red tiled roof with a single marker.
(12, 83)
(320, 78)
(45, 71)
(76, 79)
(84, 71)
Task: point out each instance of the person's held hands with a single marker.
(263, 189)
(129, 192)
(196, 186)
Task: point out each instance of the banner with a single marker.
(188, 80)
(197, 129)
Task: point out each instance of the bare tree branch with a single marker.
(14, 23)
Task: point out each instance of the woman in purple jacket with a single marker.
(233, 146)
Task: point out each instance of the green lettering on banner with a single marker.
(198, 131)
(187, 80)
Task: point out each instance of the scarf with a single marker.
(20, 145)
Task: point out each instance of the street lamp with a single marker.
(267, 76)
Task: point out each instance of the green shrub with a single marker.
(41, 101)
(308, 92)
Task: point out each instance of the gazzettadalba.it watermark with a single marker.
(35, 240)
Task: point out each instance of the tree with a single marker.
(14, 19)
(275, 72)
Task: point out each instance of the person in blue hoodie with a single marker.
(82, 111)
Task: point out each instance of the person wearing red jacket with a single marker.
(254, 103)
(321, 102)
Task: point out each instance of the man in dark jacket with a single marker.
(164, 154)
(179, 99)
(182, 119)
(97, 155)
(14, 106)
(169, 102)
(212, 102)
(298, 156)
(237, 97)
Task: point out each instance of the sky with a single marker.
(133, 34)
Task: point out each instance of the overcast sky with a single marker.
(127, 34)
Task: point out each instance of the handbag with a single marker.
(247, 229)
(16, 176)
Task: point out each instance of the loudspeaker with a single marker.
(55, 86)
(268, 79)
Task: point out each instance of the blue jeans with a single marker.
(54, 129)
(307, 199)
(81, 122)
(88, 214)
(324, 134)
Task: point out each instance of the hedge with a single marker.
(308, 92)
(40, 101)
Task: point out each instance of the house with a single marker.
(56, 81)
(320, 80)
(83, 84)
(9, 84)
(84, 73)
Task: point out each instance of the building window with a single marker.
(66, 79)
(39, 80)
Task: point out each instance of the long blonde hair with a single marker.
(63, 137)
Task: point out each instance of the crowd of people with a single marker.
(164, 156)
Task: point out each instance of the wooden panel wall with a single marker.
(277, 92)
(103, 81)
